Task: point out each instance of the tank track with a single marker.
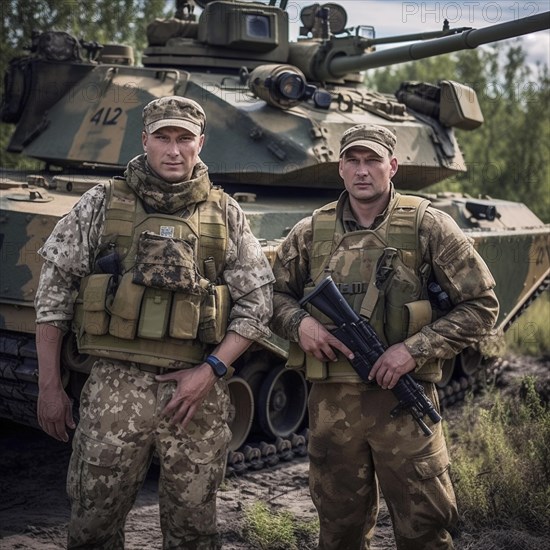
(19, 393)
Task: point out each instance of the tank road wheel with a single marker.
(241, 411)
(470, 361)
(447, 370)
(282, 402)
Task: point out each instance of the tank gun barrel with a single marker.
(469, 39)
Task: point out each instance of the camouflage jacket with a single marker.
(455, 265)
(70, 251)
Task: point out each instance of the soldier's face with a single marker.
(366, 175)
(172, 152)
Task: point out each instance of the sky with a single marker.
(391, 17)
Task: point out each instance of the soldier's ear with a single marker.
(144, 140)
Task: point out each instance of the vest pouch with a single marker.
(166, 263)
(419, 315)
(214, 315)
(296, 357)
(125, 308)
(184, 317)
(97, 297)
(154, 315)
(404, 287)
(315, 370)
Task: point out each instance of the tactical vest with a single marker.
(156, 295)
(380, 274)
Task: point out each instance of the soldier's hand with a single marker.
(392, 365)
(192, 386)
(55, 413)
(316, 340)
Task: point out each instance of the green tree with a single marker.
(509, 155)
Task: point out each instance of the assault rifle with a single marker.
(359, 336)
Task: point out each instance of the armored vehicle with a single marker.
(275, 110)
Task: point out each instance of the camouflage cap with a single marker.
(373, 137)
(174, 111)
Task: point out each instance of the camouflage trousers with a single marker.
(354, 448)
(120, 428)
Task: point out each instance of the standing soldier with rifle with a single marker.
(409, 270)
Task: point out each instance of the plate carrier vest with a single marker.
(118, 319)
(380, 274)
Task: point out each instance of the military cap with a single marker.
(174, 111)
(373, 137)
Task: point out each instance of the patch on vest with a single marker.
(167, 231)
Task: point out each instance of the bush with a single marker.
(501, 464)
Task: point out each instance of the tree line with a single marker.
(508, 157)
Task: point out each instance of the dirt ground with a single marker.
(34, 508)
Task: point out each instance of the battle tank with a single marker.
(275, 111)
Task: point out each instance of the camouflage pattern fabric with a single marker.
(69, 255)
(166, 263)
(120, 423)
(353, 447)
(354, 443)
(120, 427)
(456, 266)
(163, 196)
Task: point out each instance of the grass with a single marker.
(266, 529)
(501, 463)
(500, 447)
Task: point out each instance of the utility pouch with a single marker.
(315, 370)
(165, 263)
(419, 315)
(214, 315)
(296, 357)
(184, 317)
(155, 311)
(125, 308)
(97, 298)
(403, 288)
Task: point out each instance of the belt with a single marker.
(151, 368)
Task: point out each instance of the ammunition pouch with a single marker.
(133, 322)
(98, 293)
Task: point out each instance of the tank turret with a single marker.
(276, 110)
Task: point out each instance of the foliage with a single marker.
(508, 156)
(269, 530)
(500, 464)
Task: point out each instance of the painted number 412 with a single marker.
(106, 117)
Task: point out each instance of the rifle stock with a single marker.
(361, 338)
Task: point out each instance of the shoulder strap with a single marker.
(403, 226)
(213, 231)
(120, 214)
(324, 229)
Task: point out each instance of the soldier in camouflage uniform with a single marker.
(158, 384)
(383, 250)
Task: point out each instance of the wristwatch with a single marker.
(218, 366)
